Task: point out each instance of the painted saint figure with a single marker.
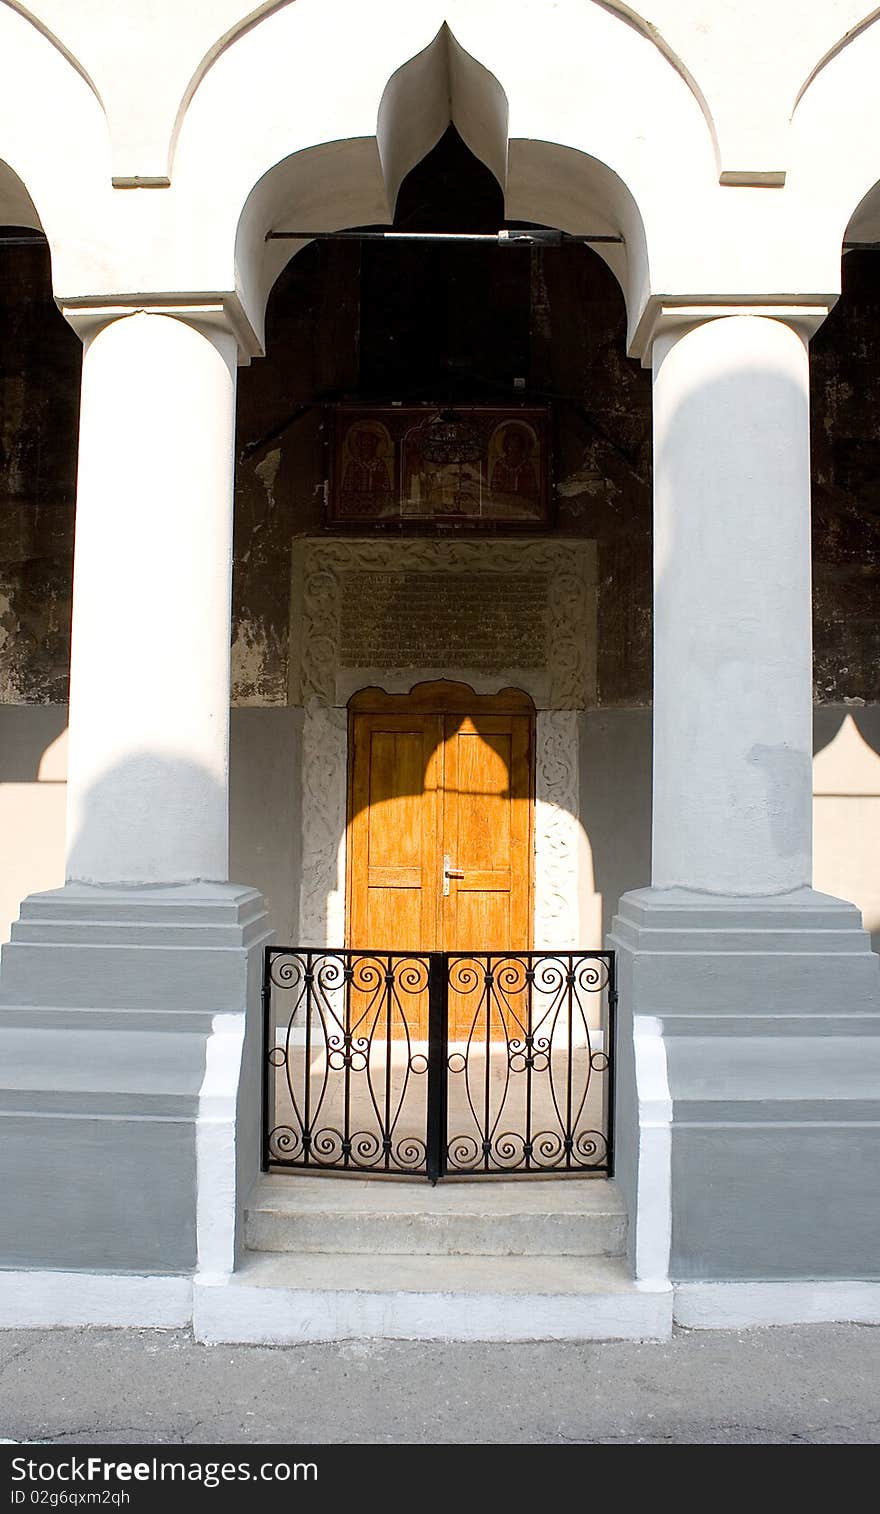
(366, 480)
(513, 471)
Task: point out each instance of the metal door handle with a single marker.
(449, 872)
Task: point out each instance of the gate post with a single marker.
(268, 1041)
(438, 1027)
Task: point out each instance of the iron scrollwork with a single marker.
(343, 1058)
(526, 1091)
(433, 1064)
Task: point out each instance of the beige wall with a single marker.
(846, 808)
(33, 765)
(615, 766)
(264, 806)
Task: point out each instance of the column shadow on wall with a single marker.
(778, 766)
(615, 801)
(150, 807)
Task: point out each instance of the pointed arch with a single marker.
(289, 129)
(832, 52)
(651, 33)
(259, 13)
(440, 87)
(57, 43)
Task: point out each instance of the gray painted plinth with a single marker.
(770, 1017)
(113, 1110)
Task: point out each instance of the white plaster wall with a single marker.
(748, 108)
(648, 108)
(834, 161)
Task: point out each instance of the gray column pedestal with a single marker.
(129, 1077)
(749, 1073)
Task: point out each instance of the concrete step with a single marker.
(550, 1217)
(293, 1298)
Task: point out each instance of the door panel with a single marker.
(394, 877)
(430, 788)
(487, 831)
(487, 812)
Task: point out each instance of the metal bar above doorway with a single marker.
(514, 238)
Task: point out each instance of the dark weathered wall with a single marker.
(312, 354)
(602, 404)
(40, 361)
(845, 366)
(446, 323)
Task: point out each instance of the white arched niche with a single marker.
(354, 182)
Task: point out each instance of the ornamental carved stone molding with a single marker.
(567, 680)
(324, 762)
(557, 831)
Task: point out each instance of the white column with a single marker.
(732, 608)
(149, 699)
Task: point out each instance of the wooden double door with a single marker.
(440, 821)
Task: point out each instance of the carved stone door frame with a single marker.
(563, 685)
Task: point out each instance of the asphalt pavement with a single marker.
(810, 1384)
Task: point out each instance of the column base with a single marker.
(748, 1086)
(129, 1077)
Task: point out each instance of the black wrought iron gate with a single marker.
(438, 1063)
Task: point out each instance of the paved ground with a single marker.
(810, 1384)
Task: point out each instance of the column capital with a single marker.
(211, 314)
(665, 314)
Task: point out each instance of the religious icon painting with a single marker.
(466, 465)
(367, 483)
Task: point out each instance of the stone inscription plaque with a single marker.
(425, 619)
